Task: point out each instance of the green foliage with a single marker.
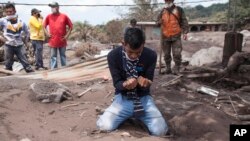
(143, 11)
(114, 30)
(206, 13)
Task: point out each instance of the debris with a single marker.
(17, 67)
(51, 112)
(71, 129)
(206, 56)
(25, 139)
(244, 117)
(47, 92)
(99, 110)
(200, 75)
(125, 134)
(8, 72)
(70, 105)
(208, 91)
(236, 114)
(82, 113)
(84, 92)
(171, 81)
(108, 94)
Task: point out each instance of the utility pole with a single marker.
(234, 21)
(228, 15)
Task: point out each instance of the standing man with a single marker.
(58, 33)
(132, 69)
(173, 22)
(37, 36)
(14, 32)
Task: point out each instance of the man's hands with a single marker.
(185, 36)
(131, 83)
(144, 82)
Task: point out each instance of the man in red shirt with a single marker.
(58, 34)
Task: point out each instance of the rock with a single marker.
(25, 139)
(183, 90)
(125, 134)
(99, 110)
(206, 56)
(47, 92)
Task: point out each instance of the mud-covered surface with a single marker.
(191, 116)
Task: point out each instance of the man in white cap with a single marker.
(58, 33)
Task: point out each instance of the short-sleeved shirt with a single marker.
(58, 28)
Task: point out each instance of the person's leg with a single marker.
(22, 58)
(39, 53)
(9, 57)
(62, 51)
(166, 47)
(120, 110)
(153, 118)
(177, 49)
(53, 58)
(34, 48)
(34, 45)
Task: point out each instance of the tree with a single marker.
(145, 10)
(114, 29)
(81, 30)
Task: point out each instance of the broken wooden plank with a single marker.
(171, 81)
(199, 75)
(8, 72)
(84, 92)
(244, 117)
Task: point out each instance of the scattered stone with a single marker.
(125, 134)
(52, 112)
(25, 139)
(99, 110)
(183, 90)
(206, 56)
(47, 92)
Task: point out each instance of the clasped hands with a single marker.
(131, 83)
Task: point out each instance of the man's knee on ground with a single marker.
(105, 122)
(158, 127)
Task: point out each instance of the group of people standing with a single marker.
(16, 33)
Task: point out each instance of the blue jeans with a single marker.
(38, 49)
(10, 51)
(53, 56)
(122, 108)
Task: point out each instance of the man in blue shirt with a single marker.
(132, 69)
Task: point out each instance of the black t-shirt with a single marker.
(145, 68)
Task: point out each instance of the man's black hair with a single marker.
(133, 21)
(134, 37)
(10, 5)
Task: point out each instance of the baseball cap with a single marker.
(54, 4)
(34, 10)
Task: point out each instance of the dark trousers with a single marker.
(38, 50)
(176, 47)
(10, 51)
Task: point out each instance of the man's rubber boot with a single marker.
(168, 69)
(176, 70)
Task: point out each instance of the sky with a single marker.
(94, 15)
